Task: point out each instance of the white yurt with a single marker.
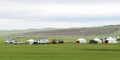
(81, 40)
(43, 41)
(98, 40)
(46, 40)
(30, 41)
(111, 40)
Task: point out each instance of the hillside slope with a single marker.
(12, 32)
(90, 31)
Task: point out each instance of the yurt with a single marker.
(43, 41)
(46, 41)
(98, 40)
(30, 41)
(110, 40)
(81, 40)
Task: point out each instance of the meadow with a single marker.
(59, 51)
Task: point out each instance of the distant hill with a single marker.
(12, 32)
(87, 31)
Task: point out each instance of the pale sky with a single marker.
(37, 14)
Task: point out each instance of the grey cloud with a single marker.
(27, 15)
(31, 18)
(60, 1)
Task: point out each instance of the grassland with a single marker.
(59, 51)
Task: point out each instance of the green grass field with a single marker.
(59, 51)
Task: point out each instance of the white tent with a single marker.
(43, 41)
(46, 40)
(111, 40)
(81, 40)
(30, 41)
(98, 40)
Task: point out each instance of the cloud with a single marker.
(20, 7)
(24, 14)
(60, 10)
(7, 24)
(59, 1)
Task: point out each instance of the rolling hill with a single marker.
(12, 32)
(87, 31)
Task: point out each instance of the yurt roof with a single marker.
(30, 40)
(97, 39)
(111, 38)
(81, 39)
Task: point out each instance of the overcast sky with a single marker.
(37, 14)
